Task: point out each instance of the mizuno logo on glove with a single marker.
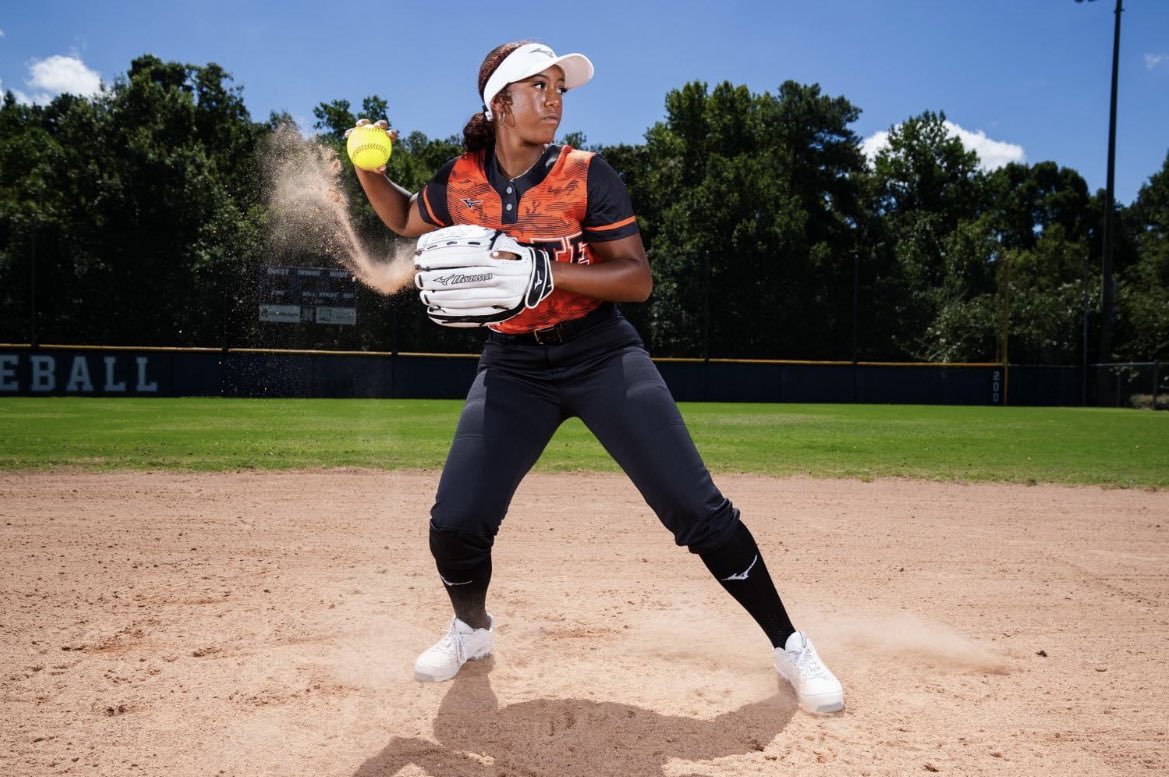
(450, 280)
(541, 285)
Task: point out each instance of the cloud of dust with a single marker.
(309, 212)
(688, 632)
(907, 636)
(723, 638)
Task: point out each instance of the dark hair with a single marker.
(480, 132)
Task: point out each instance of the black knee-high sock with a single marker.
(738, 566)
(467, 589)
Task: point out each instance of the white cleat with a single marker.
(816, 687)
(461, 644)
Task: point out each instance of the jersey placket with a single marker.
(511, 203)
(510, 190)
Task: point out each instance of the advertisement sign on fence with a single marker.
(321, 295)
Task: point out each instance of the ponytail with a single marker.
(478, 134)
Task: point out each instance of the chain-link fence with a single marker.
(1131, 384)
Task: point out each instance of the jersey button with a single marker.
(509, 190)
(508, 206)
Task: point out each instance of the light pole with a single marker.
(1107, 297)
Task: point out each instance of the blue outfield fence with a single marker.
(62, 370)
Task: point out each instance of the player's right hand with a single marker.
(393, 133)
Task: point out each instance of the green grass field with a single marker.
(1125, 448)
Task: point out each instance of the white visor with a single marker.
(530, 59)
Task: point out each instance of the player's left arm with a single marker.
(620, 270)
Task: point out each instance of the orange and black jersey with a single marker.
(567, 200)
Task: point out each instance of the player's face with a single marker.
(536, 105)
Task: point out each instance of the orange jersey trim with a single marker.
(618, 225)
(430, 210)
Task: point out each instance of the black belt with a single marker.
(562, 332)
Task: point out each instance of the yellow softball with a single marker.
(369, 147)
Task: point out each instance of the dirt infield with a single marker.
(266, 624)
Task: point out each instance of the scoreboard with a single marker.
(320, 295)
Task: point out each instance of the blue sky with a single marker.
(1026, 79)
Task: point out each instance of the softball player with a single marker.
(565, 350)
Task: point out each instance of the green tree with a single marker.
(925, 185)
(30, 218)
(758, 194)
(333, 119)
(1028, 199)
(1046, 292)
(1042, 216)
(143, 203)
(1143, 331)
(145, 210)
(968, 298)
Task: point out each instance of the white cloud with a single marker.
(1, 33)
(992, 154)
(59, 74)
(1152, 60)
(873, 144)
